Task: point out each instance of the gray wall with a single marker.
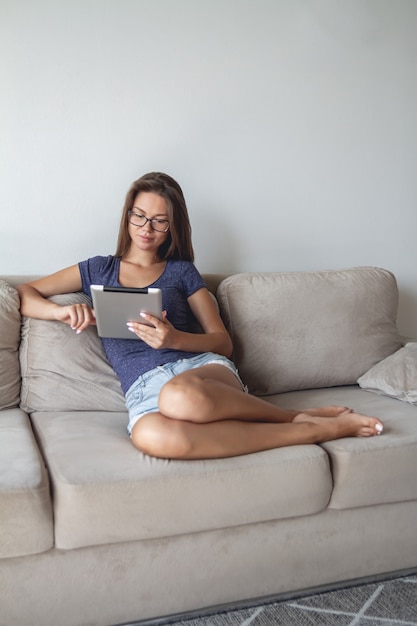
(290, 124)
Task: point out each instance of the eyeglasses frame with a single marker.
(147, 219)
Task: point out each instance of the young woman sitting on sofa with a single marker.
(184, 396)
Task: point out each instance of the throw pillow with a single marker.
(9, 346)
(63, 371)
(395, 376)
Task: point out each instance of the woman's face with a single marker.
(148, 221)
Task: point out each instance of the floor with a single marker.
(388, 603)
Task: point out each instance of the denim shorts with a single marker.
(142, 396)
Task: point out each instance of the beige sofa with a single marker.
(92, 532)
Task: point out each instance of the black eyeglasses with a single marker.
(161, 226)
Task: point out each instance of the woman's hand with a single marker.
(78, 316)
(161, 334)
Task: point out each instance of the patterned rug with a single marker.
(386, 603)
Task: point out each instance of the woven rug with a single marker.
(385, 603)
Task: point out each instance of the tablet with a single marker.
(114, 306)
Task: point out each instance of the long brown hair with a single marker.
(178, 244)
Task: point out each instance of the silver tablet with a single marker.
(114, 306)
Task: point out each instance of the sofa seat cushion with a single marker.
(305, 330)
(26, 525)
(368, 470)
(96, 473)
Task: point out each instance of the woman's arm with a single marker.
(214, 338)
(34, 302)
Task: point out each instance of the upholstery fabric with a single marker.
(204, 532)
(395, 376)
(63, 371)
(141, 580)
(304, 330)
(367, 471)
(96, 472)
(25, 504)
(9, 345)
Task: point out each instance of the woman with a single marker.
(184, 396)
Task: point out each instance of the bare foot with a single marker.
(328, 411)
(347, 424)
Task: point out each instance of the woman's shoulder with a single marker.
(100, 270)
(102, 262)
(177, 266)
(175, 263)
(186, 273)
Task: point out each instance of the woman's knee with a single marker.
(186, 398)
(158, 436)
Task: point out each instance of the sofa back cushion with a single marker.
(63, 371)
(305, 330)
(9, 346)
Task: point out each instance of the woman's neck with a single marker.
(140, 270)
(142, 259)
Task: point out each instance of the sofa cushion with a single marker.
(303, 330)
(367, 470)
(96, 472)
(395, 376)
(9, 346)
(63, 371)
(26, 525)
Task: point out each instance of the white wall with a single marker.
(290, 124)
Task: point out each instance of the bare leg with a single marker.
(205, 414)
(163, 437)
(212, 393)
